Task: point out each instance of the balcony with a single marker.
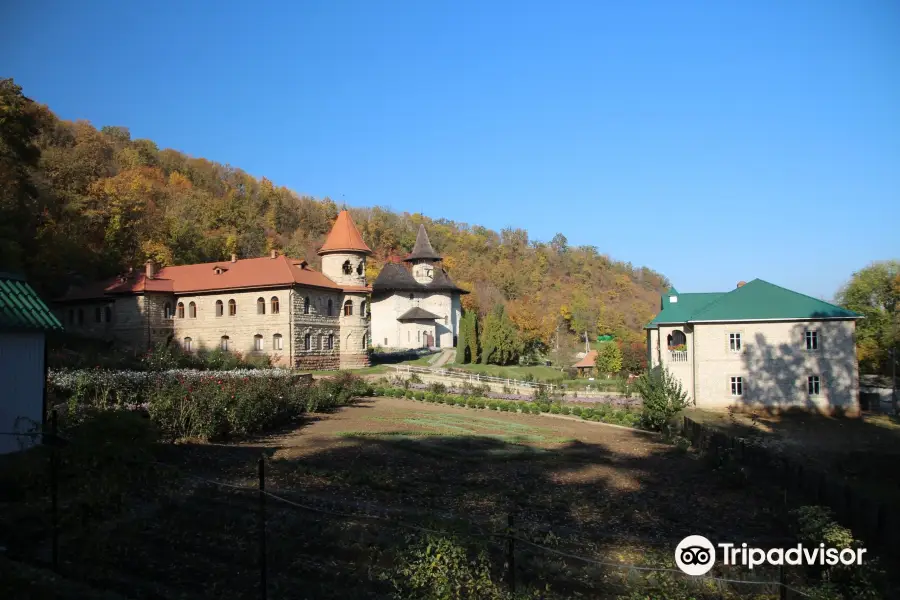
(678, 356)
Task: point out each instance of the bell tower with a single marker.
(423, 258)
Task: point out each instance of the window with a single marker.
(220, 308)
(275, 307)
(307, 342)
(677, 341)
(418, 336)
(188, 344)
(360, 267)
(410, 296)
(737, 386)
(306, 305)
(812, 340)
(224, 344)
(348, 270)
(362, 309)
(260, 306)
(277, 342)
(232, 308)
(71, 316)
(98, 315)
(365, 341)
(348, 308)
(179, 310)
(167, 310)
(330, 307)
(734, 342)
(385, 342)
(108, 312)
(192, 310)
(812, 385)
(331, 341)
(81, 316)
(257, 342)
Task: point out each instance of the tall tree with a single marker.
(501, 344)
(874, 292)
(609, 358)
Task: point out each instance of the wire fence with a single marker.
(271, 513)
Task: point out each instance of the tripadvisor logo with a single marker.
(696, 555)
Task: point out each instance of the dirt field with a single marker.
(583, 488)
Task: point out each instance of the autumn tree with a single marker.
(874, 292)
(634, 357)
(609, 358)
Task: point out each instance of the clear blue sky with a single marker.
(711, 141)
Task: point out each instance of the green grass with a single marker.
(540, 373)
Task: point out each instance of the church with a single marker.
(277, 306)
(415, 304)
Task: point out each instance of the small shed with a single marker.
(24, 322)
(586, 365)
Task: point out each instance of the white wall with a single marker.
(385, 325)
(21, 382)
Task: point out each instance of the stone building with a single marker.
(274, 306)
(758, 346)
(415, 304)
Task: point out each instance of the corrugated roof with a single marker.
(422, 248)
(280, 271)
(344, 236)
(417, 314)
(755, 301)
(21, 309)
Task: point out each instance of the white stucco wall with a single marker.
(387, 331)
(22, 382)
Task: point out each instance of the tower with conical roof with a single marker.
(423, 258)
(344, 256)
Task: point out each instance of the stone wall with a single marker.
(318, 324)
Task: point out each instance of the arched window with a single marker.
(98, 315)
(275, 307)
(179, 310)
(220, 308)
(167, 310)
(277, 342)
(362, 309)
(677, 340)
(360, 267)
(307, 342)
(348, 308)
(365, 342)
(348, 269)
(188, 344)
(330, 307)
(331, 341)
(260, 306)
(306, 305)
(225, 343)
(108, 312)
(232, 308)
(257, 342)
(192, 310)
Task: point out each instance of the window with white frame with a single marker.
(225, 343)
(277, 343)
(812, 339)
(737, 386)
(188, 344)
(257, 342)
(734, 342)
(812, 385)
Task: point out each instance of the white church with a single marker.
(415, 304)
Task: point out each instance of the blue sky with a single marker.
(711, 141)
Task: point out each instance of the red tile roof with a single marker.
(280, 271)
(589, 360)
(344, 236)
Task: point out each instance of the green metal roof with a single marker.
(755, 301)
(21, 309)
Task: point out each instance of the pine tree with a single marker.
(462, 341)
(501, 343)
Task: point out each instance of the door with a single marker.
(429, 340)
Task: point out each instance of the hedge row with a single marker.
(598, 412)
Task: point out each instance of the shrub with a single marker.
(419, 395)
(662, 397)
(492, 404)
(576, 411)
(503, 406)
(409, 394)
(438, 388)
(587, 413)
(554, 410)
(482, 402)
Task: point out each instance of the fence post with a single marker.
(54, 488)
(511, 555)
(262, 527)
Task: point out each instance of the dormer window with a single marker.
(673, 299)
(218, 270)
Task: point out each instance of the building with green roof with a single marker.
(758, 346)
(24, 322)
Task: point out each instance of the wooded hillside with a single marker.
(78, 203)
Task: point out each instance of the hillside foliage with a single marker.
(79, 203)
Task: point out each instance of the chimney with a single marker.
(233, 257)
(273, 253)
(741, 283)
(150, 269)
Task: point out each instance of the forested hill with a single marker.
(81, 203)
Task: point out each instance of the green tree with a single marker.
(634, 357)
(462, 345)
(501, 344)
(662, 398)
(609, 358)
(874, 292)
